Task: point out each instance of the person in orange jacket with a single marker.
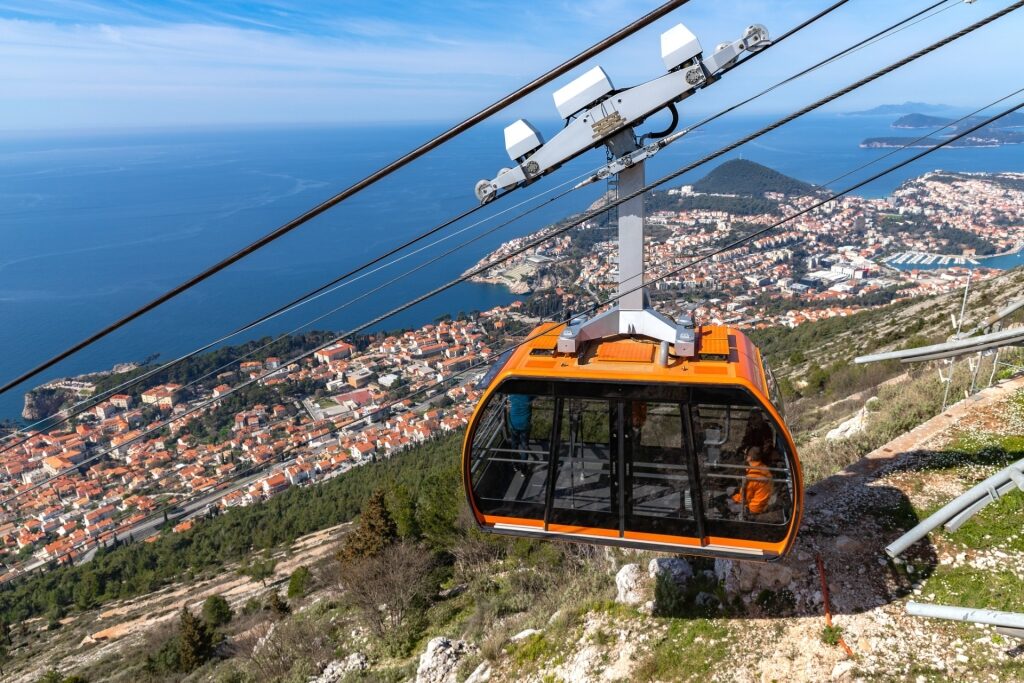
(757, 487)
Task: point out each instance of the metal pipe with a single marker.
(963, 306)
(1006, 337)
(987, 489)
(1013, 620)
(970, 511)
(949, 384)
(1012, 632)
(663, 354)
(995, 366)
(999, 315)
(974, 377)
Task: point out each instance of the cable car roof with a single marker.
(723, 355)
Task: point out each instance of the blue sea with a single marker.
(95, 224)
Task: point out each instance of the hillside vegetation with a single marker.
(415, 588)
(415, 568)
(138, 568)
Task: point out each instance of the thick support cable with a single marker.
(369, 180)
(324, 288)
(733, 245)
(894, 28)
(551, 326)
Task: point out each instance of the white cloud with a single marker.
(120, 68)
(201, 73)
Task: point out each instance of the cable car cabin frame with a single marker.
(646, 452)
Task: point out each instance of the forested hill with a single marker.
(917, 120)
(747, 178)
(905, 108)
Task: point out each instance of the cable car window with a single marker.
(586, 481)
(745, 473)
(492, 372)
(774, 393)
(510, 452)
(658, 481)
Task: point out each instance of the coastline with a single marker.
(484, 295)
(867, 144)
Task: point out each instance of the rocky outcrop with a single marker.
(745, 577)
(440, 662)
(523, 635)
(673, 569)
(481, 674)
(855, 425)
(42, 403)
(630, 585)
(339, 669)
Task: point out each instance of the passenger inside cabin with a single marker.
(755, 494)
(758, 433)
(520, 411)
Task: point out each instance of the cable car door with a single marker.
(659, 480)
(584, 493)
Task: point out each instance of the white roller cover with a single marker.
(678, 45)
(521, 138)
(582, 92)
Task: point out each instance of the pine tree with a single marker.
(195, 643)
(216, 611)
(375, 532)
(51, 676)
(403, 509)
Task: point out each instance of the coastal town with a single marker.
(843, 257)
(154, 458)
(132, 463)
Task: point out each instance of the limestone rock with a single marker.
(704, 599)
(629, 584)
(339, 668)
(744, 577)
(848, 546)
(523, 635)
(843, 671)
(855, 425)
(439, 663)
(722, 569)
(481, 674)
(677, 570)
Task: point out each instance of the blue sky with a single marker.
(70, 64)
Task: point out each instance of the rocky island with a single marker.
(999, 133)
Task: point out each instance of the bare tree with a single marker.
(275, 649)
(388, 588)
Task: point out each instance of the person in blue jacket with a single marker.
(520, 412)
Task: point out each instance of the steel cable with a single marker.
(592, 214)
(326, 288)
(369, 180)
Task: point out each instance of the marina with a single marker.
(916, 260)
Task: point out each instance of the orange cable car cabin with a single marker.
(619, 444)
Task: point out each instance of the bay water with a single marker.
(93, 224)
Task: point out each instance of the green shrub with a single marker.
(297, 582)
(216, 611)
(831, 635)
